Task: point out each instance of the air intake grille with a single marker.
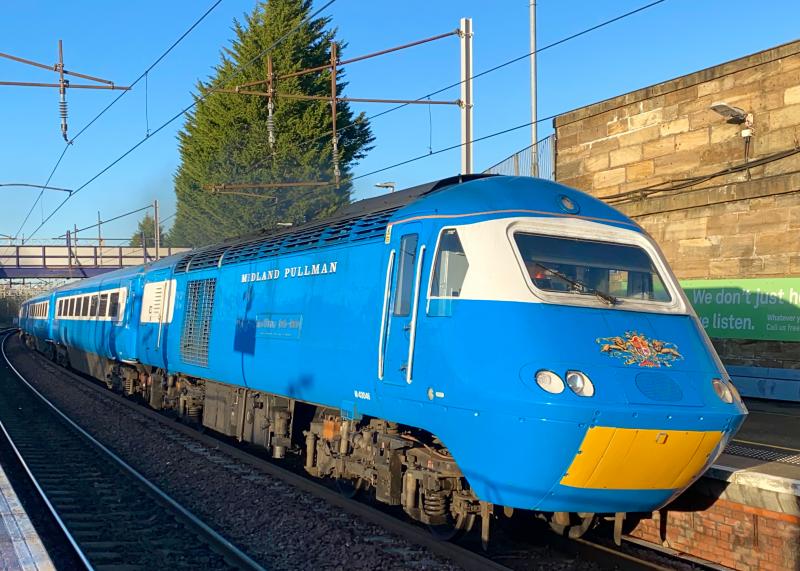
(658, 387)
(197, 323)
(360, 228)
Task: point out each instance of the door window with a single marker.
(405, 275)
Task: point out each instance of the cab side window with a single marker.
(113, 305)
(405, 275)
(450, 267)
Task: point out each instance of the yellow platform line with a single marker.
(765, 444)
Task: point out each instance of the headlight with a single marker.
(723, 391)
(580, 384)
(549, 382)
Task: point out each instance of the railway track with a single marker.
(468, 558)
(110, 514)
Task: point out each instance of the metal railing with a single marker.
(55, 261)
(536, 160)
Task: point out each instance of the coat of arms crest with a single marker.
(636, 349)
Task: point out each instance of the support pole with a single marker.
(465, 33)
(156, 231)
(69, 252)
(100, 237)
(534, 134)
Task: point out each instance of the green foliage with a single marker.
(225, 138)
(146, 228)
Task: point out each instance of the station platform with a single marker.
(744, 513)
(20, 545)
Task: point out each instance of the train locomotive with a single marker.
(475, 342)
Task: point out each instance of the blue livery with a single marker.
(477, 341)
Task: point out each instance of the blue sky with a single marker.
(118, 40)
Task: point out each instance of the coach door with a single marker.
(400, 307)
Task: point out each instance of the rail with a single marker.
(42, 426)
(466, 557)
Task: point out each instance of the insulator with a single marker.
(271, 130)
(434, 503)
(336, 172)
(62, 109)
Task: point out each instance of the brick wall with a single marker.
(729, 533)
(645, 151)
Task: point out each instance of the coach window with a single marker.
(451, 266)
(71, 310)
(103, 305)
(93, 306)
(85, 308)
(60, 307)
(405, 275)
(113, 305)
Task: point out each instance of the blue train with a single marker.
(474, 342)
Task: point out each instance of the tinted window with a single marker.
(71, 306)
(113, 304)
(85, 307)
(572, 265)
(103, 305)
(93, 306)
(60, 307)
(405, 274)
(451, 266)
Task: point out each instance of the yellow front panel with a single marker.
(636, 459)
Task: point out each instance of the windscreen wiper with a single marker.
(606, 297)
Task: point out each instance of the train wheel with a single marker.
(453, 529)
(572, 525)
(350, 487)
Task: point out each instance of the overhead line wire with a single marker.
(186, 109)
(488, 71)
(529, 54)
(480, 74)
(107, 107)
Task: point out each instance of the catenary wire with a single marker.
(186, 109)
(397, 107)
(113, 102)
(307, 142)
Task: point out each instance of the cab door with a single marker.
(401, 307)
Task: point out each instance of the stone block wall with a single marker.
(662, 156)
(668, 132)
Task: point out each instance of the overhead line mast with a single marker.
(63, 84)
(272, 94)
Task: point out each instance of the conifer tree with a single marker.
(146, 228)
(225, 138)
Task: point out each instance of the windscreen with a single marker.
(589, 267)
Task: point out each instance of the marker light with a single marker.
(580, 384)
(723, 391)
(549, 382)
